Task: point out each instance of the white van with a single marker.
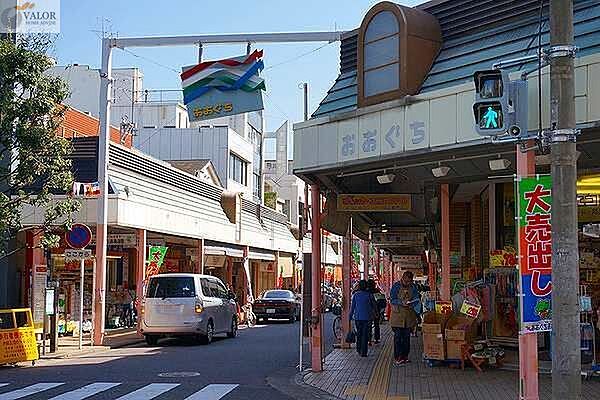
(187, 305)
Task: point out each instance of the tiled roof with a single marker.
(80, 124)
(476, 33)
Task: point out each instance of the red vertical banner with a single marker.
(535, 252)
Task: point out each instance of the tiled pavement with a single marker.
(348, 376)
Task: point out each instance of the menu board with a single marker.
(38, 286)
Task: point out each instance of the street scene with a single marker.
(362, 200)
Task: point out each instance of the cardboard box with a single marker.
(433, 346)
(433, 322)
(460, 327)
(454, 349)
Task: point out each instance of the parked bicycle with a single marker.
(337, 322)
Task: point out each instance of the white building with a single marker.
(130, 102)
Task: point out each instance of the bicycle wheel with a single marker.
(337, 328)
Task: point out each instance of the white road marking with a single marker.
(29, 390)
(86, 391)
(149, 391)
(212, 392)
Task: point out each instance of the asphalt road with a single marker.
(229, 369)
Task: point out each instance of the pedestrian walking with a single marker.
(380, 301)
(362, 311)
(405, 301)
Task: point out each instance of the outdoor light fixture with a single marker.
(440, 171)
(385, 178)
(499, 164)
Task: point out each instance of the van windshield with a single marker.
(177, 286)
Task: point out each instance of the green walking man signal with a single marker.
(490, 118)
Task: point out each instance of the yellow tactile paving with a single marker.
(379, 382)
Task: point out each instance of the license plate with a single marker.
(270, 311)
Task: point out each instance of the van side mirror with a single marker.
(231, 295)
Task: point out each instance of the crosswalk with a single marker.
(147, 392)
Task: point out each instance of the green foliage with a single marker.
(33, 159)
(271, 200)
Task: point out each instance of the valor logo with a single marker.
(41, 16)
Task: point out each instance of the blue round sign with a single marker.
(79, 236)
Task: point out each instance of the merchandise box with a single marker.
(433, 346)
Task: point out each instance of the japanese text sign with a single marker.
(156, 257)
(374, 202)
(535, 250)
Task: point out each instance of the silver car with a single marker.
(187, 305)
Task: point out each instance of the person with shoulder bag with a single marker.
(405, 301)
(362, 311)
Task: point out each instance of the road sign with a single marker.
(79, 236)
(77, 254)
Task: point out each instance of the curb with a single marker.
(90, 350)
(295, 387)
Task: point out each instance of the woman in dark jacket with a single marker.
(362, 311)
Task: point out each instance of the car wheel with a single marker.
(151, 340)
(234, 327)
(210, 332)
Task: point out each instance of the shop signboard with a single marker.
(156, 257)
(443, 307)
(222, 88)
(535, 251)
(374, 202)
(40, 277)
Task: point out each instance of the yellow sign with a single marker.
(588, 214)
(215, 110)
(443, 307)
(374, 202)
(17, 336)
(470, 309)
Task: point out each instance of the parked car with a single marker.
(188, 305)
(277, 304)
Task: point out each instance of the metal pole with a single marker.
(82, 268)
(305, 87)
(346, 283)
(566, 360)
(317, 364)
(101, 223)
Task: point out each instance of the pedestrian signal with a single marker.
(491, 106)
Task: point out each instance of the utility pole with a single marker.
(566, 360)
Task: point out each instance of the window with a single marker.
(175, 287)
(381, 54)
(206, 290)
(279, 294)
(238, 169)
(256, 186)
(217, 289)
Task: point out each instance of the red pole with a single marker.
(140, 273)
(346, 282)
(445, 199)
(317, 363)
(528, 356)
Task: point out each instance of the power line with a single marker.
(152, 61)
(298, 56)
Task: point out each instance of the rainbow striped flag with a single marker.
(230, 74)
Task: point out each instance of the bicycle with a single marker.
(249, 314)
(337, 328)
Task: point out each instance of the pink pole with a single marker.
(528, 355)
(317, 361)
(140, 273)
(346, 282)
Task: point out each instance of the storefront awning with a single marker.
(264, 255)
(286, 267)
(223, 251)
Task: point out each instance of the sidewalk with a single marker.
(68, 346)
(348, 376)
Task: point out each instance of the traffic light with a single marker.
(491, 102)
(500, 104)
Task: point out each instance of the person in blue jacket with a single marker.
(363, 311)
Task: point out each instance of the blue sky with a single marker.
(81, 25)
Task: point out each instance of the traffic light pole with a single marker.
(566, 360)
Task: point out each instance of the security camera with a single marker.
(515, 131)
